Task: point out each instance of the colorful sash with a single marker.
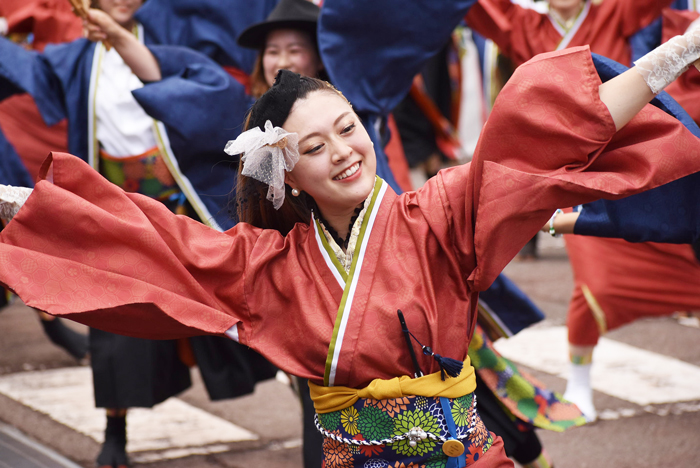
(520, 394)
(336, 398)
(407, 431)
(146, 174)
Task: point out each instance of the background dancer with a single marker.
(520, 33)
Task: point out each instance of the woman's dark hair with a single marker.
(251, 205)
(258, 85)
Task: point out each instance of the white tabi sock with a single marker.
(579, 391)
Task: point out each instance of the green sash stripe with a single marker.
(349, 284)
(329, 251)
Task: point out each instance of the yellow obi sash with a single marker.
(329, 399)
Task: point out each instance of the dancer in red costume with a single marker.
(326, 311)
(521, 33)
(617, 282)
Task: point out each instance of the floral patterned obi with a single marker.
(146, 174)
(404, 432)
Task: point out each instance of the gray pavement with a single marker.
(631, 435)
(19, 451)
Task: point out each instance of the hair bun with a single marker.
(277, 102)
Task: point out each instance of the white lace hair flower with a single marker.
(266, 156)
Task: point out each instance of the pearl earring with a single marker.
(295, 192)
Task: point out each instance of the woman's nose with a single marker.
(341, 151)
(283, 60)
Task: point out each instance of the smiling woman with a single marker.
(324, 307)
(337, 164)
(285, 40)
(336, 168)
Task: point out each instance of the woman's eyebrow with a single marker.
(340, 117)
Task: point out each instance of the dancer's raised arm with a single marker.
(626, 94)
(101, 26)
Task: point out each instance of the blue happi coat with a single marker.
(198, 106)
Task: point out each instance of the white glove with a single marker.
(667, 62)
(12, 199)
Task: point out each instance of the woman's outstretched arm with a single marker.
(626, 94)
(101, 26)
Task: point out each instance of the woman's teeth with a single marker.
(348, 172)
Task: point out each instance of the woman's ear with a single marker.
(289, 179)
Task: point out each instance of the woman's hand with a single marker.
(99, 26)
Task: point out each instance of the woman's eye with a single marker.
(315, 149)
(349, 128)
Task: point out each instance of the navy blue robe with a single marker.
(207, 26)
(12, 171)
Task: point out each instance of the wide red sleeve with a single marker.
(550, 143)
(512, 28)
(84, 249)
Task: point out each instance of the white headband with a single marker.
(266, 156)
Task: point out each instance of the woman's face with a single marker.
(121, 11)
(290, 49)
(337, 163)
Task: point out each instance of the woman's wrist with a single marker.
(552, 229)
(561, 223)
(667, 62)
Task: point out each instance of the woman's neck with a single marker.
(568, 13)
(340, 221)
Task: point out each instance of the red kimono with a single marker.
(521, 33)
(627, 281)
(84, 249)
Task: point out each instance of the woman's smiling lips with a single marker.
(348, 173)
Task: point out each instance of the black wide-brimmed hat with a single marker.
(292, 14)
